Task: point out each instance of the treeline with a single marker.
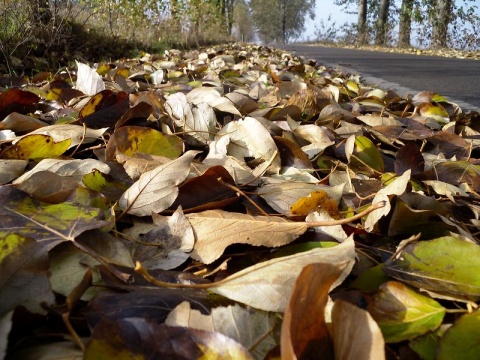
(39, 34)
(35, 34)
(427, 23)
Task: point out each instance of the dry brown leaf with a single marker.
(396, 187)
(304, 331)
(75, 168)
(11, 169)
(217, 229)
(250, 139)
(165, 244)
(157, 189)
(356, 336)
(254, 329)
(269, 285)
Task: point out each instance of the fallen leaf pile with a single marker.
(235, 202)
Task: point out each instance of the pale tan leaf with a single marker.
(335, 231)
(269, 285)
(136, 165)
(217, 229)
(396, 187)
(11, 169)
(217, 155)
(374, 120)
(197, 121)
(75, 168)
(249, 138)
(21, 123)
(443, 188)
(88, 80)
(205, 122)
(317, 137)
(165, 244)
(179, 110)
(157, 189)
(213, 98)
(254, 329)
(356, 336)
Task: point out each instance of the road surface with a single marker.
(456, 79)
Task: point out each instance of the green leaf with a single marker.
(130, 140)
(51, 223)
(444, 265)
(104, 183)
(462, 340)
(370, 279)
(426, 345)
(404, 314)
(368, 153)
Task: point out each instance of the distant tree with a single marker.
(441, 18)
(281, 20)
(362, 22)
(242, 22)
(381, 25)
(226, 8)
(405, 23)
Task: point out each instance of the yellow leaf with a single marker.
(36, 146)
(312, 202)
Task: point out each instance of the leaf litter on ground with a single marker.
(235, 202)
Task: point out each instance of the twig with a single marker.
(139, 269)
(238, 191)
(372, 208)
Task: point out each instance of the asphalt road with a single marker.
(456, 79)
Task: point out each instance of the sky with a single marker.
(326, 8)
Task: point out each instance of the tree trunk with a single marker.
(229, 6)
(405, 24)
(284, 21)
(362, 21)
(441, 19)
(381, 25)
